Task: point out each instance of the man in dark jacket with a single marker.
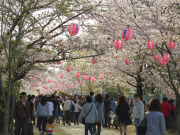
(22, 114)
(107, 106)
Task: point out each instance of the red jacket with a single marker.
(165, 108)
(174, 106)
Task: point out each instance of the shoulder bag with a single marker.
(83, 119)
(142, 127)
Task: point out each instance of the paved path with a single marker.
(79, 130)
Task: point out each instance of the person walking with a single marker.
(50, 106)
(43, 113)
(107, 105)
(122, 111)
(92, 95)
(68, 116)
(55, 104)
(22, 114)
(100, 109)
(76, 111)
(165, 109)
(155, 119)
(90, 109)
(138, 109)
(113, 106)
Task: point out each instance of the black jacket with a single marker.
(123, 115)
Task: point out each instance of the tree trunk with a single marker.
(12, 113)
(139, 87)
(6, 107)
(176, 125)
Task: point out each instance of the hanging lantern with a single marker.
(32, 78)
(118, 44)
(127, 61)
(81, 82)
(73, 29)
(162, 62)
(61, 76)
(99, 74)
(72, 85)
(48, 81)
(150, 45)
(101, 77)
(107, 74)
(63, 86)
(77, 82)
(58, 62)
(58, 88)
(127, 34)
(63, 82)
(86, 77)
(68, 69)
(166, 57)
(78, 75)
(37, 82)
(43, 86)
(171, 45)
(156, 56)
(93, 78)
(94, 61)
(40, 75)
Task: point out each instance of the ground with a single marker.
(79, 130)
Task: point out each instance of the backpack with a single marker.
(107, 105)
(171, 111)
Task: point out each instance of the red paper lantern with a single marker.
(58, 88)
(162, 62)
(63, 86)
(93, 78)
(166, 57)
(171, 45)
(94, 61)
(118, 44)
(32, 78)
(37, 82)
(78, 75)
(61, 76)
(48, 81)
(150, 45)
(86, 77)
(156, 57)
(68, 69)
(127, 61)
(127, 34)
(72, 85)
(73, 29)
(77, 82)
(101, 77)
(40, 75)
(63, 82)
(99, 74)
(81, 82)
(58, 62)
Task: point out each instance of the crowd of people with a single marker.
(94, 112)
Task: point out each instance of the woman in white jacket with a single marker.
(91, 117)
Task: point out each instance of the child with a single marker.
(76, 111)
(49, 126)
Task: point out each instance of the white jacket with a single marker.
(93, 114)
